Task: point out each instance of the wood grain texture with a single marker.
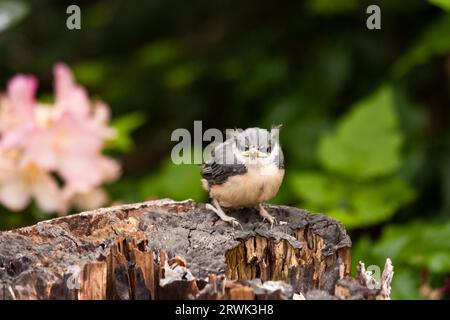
(174, 250)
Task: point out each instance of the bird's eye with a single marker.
(246, 148)
(269, 149)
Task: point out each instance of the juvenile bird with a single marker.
(244, 171)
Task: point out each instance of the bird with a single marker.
(244, 171)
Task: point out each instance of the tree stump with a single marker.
(180, 250)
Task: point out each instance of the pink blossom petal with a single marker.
(8, 168)
(39, 146)
(17, 110)
(64, 80)
(93, 199)
(21, 90)
(46, 192)
(66, 138)
(83, 174)
(75, 136)
(99, 120)
(15, 195)
(68, 95)
(14, 138)
(109, 168)
(80, 173)
(101, 113)
(14, 191)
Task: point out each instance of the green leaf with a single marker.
(361, 251)
(124, 126)
(418, 244)
(443, 4)
(377, 201)
(435, 41)
(366, 143)
(328, 7)
(12, 12)
(158, 53)
(318, 190)
(354, 204)
(406, 283)
(178, 182)
(412, 247)
(372, 203)
(283, 196)
(182, 75)
(90, 73)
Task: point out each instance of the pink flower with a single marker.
(20, 182)
(64, 139)
(17, 109)
(73, 149)
(72, 99)
(68, 95)
(99, 121)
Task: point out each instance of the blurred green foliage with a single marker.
(124, 126)
(365, 114)
(417, 246)
(357, 184)
(444, 4)
(434, 41)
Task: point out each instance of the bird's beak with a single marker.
(254, 153)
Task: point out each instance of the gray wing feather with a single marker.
(280, 159)
(222, 165)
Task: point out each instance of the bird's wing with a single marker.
(279, 159)
(216, 173)
(222, 165)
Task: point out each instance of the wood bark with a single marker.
(180, 250)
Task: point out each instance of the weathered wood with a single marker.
(174, 250)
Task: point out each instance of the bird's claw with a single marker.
(235, 224)
(271, 220)
(233, 221)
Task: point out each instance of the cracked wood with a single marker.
(165, 250)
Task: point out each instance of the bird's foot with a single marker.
(234, 223)
(231, 220)
(266, 216)
(271, 220)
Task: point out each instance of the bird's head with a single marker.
(256, 145)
